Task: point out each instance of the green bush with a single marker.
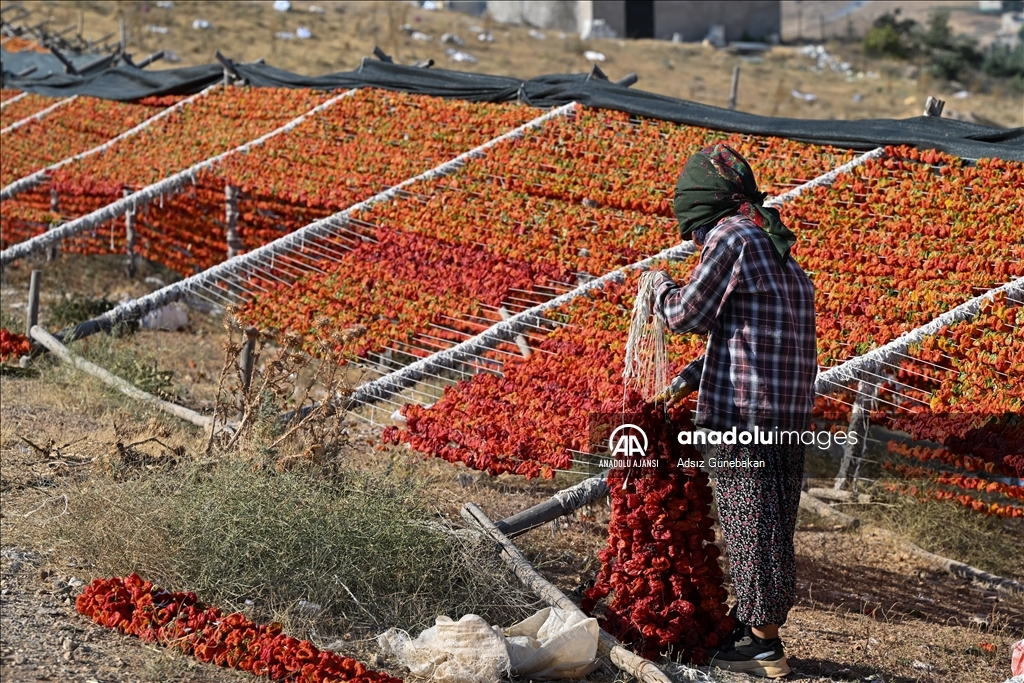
(889, 36)
(945, 55)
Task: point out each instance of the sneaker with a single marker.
(746, 653)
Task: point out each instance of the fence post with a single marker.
(524, 346)
(735, 86)
(53, 250)
(231, 218)
(32, 310)
(129, 237)
(860, 421)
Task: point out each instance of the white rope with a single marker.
(168, 185)
(646, 366)
(13, 99)
(38, 115)
(324, 227)
(39, 176)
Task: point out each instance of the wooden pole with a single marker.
(823, 509)
(524, 346)
(246, 358)
(129, 237)
(860, 421)
(840, 496)
(125, 387)
(32, 312)
(735, 86)
(562, 503)
(629, 662)
(52, 250)
(231, 219)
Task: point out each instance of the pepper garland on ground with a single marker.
(178, 620)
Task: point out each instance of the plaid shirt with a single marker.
(761, 357)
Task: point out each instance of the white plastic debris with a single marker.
(459, 56)
(452, 39)
(316, 9)
(961, 94)
(825, 60)
(201, 24)
(430, 5)
(398, 418)
(169, 318)
(284, 35)
(551, 644)
(165, 4)
(282, 5)
(805, 96)
(593, 56)
(420, 35)
(171, 56)
(153, 28)
(534, 33)
(485, 37)
(303, 33)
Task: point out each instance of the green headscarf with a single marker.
(717, 182)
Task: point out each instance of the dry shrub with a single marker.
(268, 514)
(363, 546)
(250, 415)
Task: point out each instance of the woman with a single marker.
(757, 307)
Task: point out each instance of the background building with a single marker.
(692, 20)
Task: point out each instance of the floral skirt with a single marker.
(757, 509)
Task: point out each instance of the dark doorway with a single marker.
(639, 18)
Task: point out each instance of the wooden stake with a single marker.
(32, 312)
(860, 421)
(933, 106)
(129, 237)
(629, 662)
(246, 359)
(524, 346)
(52, 250)
(735, 86)
(231, 219)
(125, 387)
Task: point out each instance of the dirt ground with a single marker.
(346, 32)
(866, 612)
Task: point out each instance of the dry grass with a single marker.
(347, 32)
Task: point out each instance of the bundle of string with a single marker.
(646, 369)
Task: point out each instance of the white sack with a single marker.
(553, 643)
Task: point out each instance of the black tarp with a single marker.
(966, 140)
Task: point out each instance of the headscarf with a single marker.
(717, 182)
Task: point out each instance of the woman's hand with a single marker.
(676, 392)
